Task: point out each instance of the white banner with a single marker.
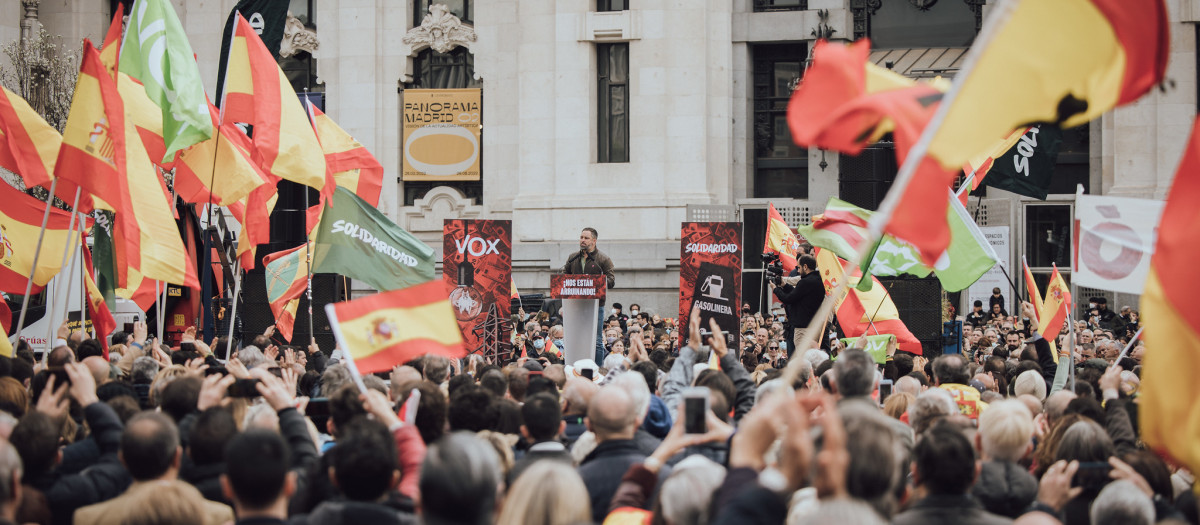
(998, 238)
(1114, 239)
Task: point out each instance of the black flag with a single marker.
(1026, 168)
(267, 17)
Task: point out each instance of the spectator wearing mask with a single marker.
(151, 452)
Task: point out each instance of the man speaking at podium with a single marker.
(589, 260)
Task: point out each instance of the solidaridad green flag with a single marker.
(156, 52)
(357, 240)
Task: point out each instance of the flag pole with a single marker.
(237, 290)
(331, 312)
(1071, 346)
(51, 305)
(83, 296)
(37, 252)
(887, 208)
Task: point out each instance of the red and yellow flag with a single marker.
(390, 328)
(258, 93)
(6, 320)
(20, 222)
(781, 239)
(92, 154)
(286, 279)
(221, 167)
(353, 167)
(1169, 415)
(102, 319)
(871, 312)
(1031, 287)
(28, 145)
(1053, 312)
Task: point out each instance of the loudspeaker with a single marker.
(864, 179)
(919, 302)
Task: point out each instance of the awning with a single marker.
(921, 62)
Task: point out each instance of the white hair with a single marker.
(1006, 430)
(815, 357)
(635, 385)
(686, 495)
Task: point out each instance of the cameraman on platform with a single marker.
(801, 297)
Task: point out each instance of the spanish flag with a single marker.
(513, 294)
(102, 319)
(28, 145)
(6, 321)
(92, 154)
(353, 167)
(287, 279)
(110, 49)
(1169, 415)
(1055, 306)
(254, 214)
(220, 168)
(1110, 54)
(386, 329)
(20, 222)
(258, 93)
(871, 312)
(781, 239)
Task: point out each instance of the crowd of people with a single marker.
(1002, 432)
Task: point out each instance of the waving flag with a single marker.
(20, 221)
(1168, 413)
(220, 168)
(359, 241)
(1054, 307)
(98, 312)
(258, 93)
(353, 167)
(383, 330)
(287, 279)
(871, 312)
(780, 239)
(158, 55)
(28, 145)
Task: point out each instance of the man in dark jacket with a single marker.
(257, 481)
(801, 300)
(543, 424)
(36, 439)
(945, 469)
(612, 417)
(591, 261)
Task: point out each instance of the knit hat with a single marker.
(1030, 382)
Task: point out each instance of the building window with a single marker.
(780, 166)
(463, 9)
(779, 5)
(613, 116)
(1048, 235)
(898, 24)
(612, 5)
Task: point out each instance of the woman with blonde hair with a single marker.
(547, 493)
(897, 404)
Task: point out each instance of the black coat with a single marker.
(802, 301)
(103, 481)
(603, 469)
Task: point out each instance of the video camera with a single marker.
(772, 267)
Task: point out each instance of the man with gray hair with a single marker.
(10, 482)
(1122, 503)
(251, 356)
(635, 385)
(854, 379)
(460, 480)
(1005, 437)
(931, 405)
(612, 417)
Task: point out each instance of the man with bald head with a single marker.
(1055, 405)
(909, 384)
(612, 416)
(99, 368)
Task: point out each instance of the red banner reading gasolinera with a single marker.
(710, 266)
(477, 263)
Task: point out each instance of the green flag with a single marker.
(843, 227)
(969, 255)
(103, 258)
(157, 53)
(357, 240)
(877, 346)
(1026, 168)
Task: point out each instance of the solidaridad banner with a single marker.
(442, 134)
(710, 266)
